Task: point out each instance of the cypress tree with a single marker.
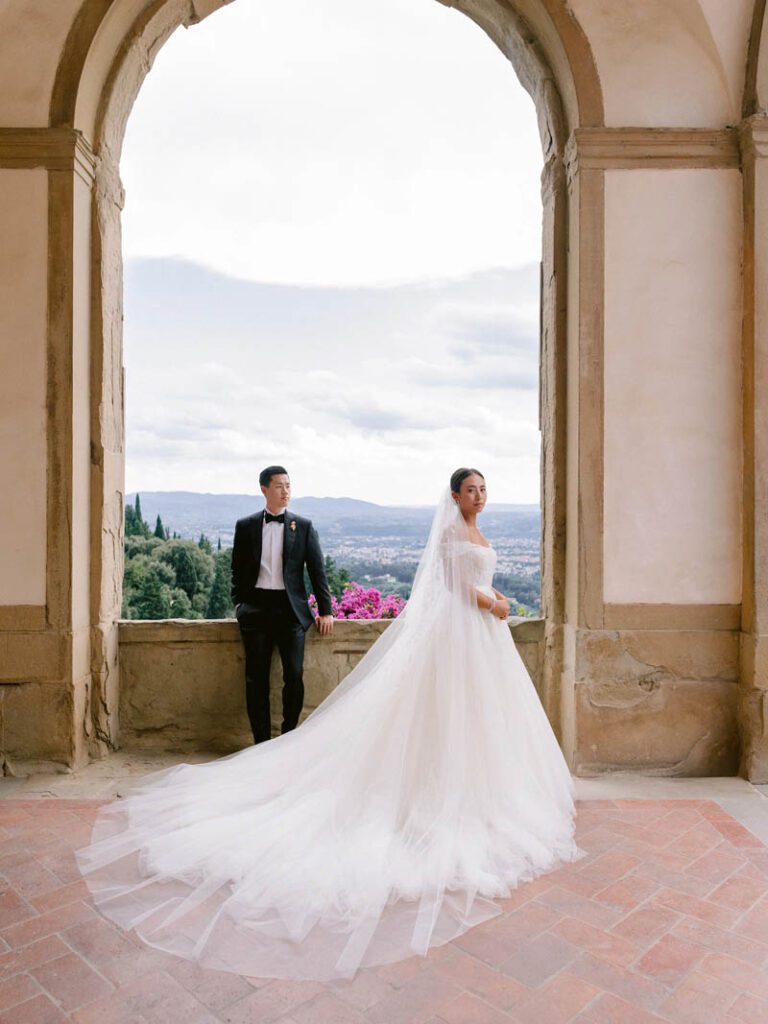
(142, 528)
(160, 529)
(219, 606)
(153, 598)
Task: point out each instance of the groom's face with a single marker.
(278, 492)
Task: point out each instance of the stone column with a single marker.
(653, 546)
(754, 625)
(45, 639)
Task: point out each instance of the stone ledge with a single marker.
(218, 631)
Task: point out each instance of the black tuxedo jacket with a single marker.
(301, 547)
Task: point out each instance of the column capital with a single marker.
(54, 149)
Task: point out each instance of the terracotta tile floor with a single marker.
(665, 920)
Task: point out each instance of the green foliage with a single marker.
(152, 597)
(524, 593)
(180, 579)
(193, 566)
(338, 578)
(219, 601)
(134, 524)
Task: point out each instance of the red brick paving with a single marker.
(664, 922)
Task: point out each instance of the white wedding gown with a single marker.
(429, 783)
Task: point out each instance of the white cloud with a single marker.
(342, 141)
(330, 147)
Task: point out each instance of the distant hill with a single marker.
(190, 513)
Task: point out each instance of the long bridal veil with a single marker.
(428, 784)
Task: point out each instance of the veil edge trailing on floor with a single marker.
(425, 787)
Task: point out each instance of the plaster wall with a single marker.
(23, 287)
(36, 27)
(669, 62)
(672, 479)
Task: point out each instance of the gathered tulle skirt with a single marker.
(383, 826)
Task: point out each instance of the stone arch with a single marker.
(109, 51)
(756, 83)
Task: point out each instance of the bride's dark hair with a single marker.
(460, 475)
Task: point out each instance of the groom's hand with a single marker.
(324, 624)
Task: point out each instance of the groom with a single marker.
(269, 553)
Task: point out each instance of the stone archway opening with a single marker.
(173, 328)
(410, 203)
(106, 110)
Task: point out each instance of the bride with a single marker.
(427, 784)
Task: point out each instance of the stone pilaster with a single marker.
(754, 628)
(45, 716)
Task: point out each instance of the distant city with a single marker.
(378, 544)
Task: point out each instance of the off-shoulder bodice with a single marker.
(480, 563)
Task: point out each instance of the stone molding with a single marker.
(217, 631)
(23, 617)
(673, 616)
(55, 149)
(754, 137)
(602, 149)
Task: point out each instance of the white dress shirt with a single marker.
(271, 568)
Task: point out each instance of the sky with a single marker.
(331, 233)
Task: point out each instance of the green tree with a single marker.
(153, 596)
(181, 606)
(134, 527)
(134, 522)
(160, 530)
(193, 567)
(338, 578)
(219, 602)
(205, 545)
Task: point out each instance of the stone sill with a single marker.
(216, 631)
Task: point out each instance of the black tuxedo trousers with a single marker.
(266, 622)
(276, 618)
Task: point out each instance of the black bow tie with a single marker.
(269, 518)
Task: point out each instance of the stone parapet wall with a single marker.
(181, 682)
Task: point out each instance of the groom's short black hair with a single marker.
(265, 476)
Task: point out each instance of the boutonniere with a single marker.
(293, 525)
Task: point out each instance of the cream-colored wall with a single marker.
(669, 63)
(23, 287)
(36, 27)
(672, 386)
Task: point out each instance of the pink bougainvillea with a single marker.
(359, 602)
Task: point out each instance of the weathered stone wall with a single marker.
(663, 702)
(182, 682)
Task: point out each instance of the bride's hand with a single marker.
(501, 609)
